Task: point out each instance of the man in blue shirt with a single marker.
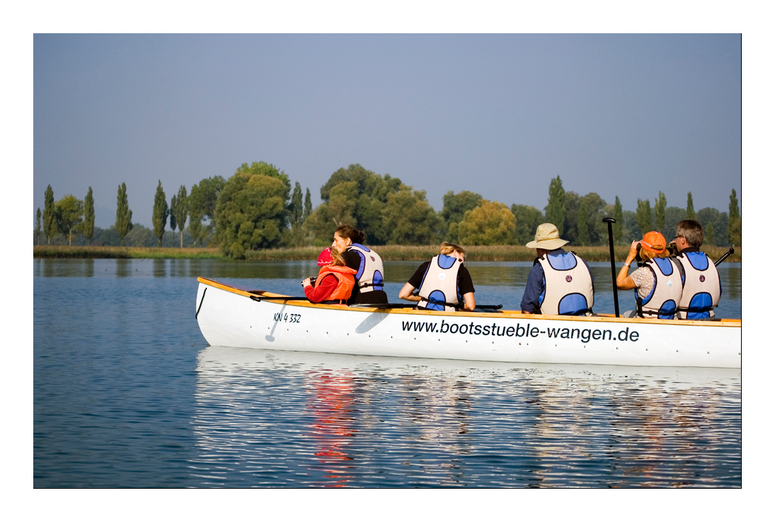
(560, 282)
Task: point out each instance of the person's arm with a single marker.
(322, 288)
(533, 289)
(406, 293)
(624, 281)
(469, 302)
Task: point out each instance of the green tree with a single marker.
(69, 213)
(307, 204)
(555, 210)
(37, 227)
(455, 207)
(180, 211)
(527, 220)
(173, 219)
(410, 218)
(582, 220)
(708, 239)
(491, 223)
(161, 212)
(659, 212)
(251, 212)
(357, 197)
(296, 208)
(123, 214)
(201, 205)
(718, 221)
(643, 216)
(735, 231)
(619, 217)
(690, 207)
(88, 216)
(49, 215)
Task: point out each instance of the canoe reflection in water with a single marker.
(298, 419)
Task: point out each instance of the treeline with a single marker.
(257, 209)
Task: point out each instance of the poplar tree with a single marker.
(643, 216)
(88, 216)
(37, 227)
(307, 205)
(555, 210)
(582, 224)
(173, 221)
(49, 215)
(659, 211)
(619, 217)
(708, 239)
(123, 214)
(160, 212)
(296, 209)
(735, 231)
(179, 211)
(690, 207)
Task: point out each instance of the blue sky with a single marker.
(621, 115)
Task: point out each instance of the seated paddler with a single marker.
(334, 283)
(560, 282)
(443, 283)
(657, 280)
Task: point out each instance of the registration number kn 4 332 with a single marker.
(287, 318)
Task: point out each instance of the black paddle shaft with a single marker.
(610, 222)
(722, 258)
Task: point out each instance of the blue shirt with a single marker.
(536, 284)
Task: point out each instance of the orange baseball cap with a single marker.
(654, 242)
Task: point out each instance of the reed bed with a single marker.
(387, 252)
(110, 252)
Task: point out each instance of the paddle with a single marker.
(610, 222)
(385, 306)
(722, 258)
(277, 298)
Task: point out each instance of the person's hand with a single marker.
(633, 252)
(306, 282)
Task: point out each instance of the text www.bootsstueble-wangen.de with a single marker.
(520, 330)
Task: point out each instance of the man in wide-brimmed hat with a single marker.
(559, 282)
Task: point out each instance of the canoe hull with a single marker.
(228, 316)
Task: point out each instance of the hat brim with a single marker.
(547, 244)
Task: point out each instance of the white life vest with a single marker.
(568, 286)
(666, 293)
(370, 274)
(438, 289)
(701, 288)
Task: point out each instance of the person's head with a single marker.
(688, 233)
(547, 238)
(344, 236)
(653, 245)
(325, 257)
(452, 250)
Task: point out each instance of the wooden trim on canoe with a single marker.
(270, 296)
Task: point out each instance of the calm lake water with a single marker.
(128, 394)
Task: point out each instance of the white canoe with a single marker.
(233, 317)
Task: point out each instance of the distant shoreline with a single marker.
(387, 252)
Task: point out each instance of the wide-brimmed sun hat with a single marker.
(654, 242)
(547, 237)
(325, 257)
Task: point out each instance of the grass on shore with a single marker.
(387, 252)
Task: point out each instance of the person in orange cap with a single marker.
(657, 281)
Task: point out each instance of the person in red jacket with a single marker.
(334, 284)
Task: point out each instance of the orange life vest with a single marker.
(346, 281)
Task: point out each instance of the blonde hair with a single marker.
(336, 258)
(447, 248)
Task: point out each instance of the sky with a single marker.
(625, 115)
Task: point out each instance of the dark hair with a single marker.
(355, 235)
(692, 231)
